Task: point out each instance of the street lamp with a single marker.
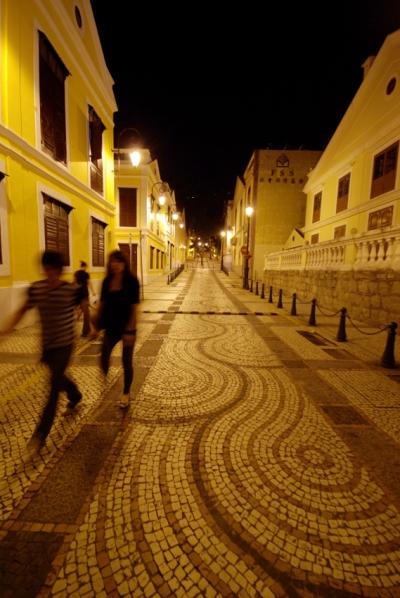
(163, 189)
(249, 213)
(222, 233)
(133, 150)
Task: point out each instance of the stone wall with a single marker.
(370, 296)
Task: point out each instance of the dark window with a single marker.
(96, 129)
(78, 17)
(127, 206)
(380, 218)
(56, 226)
(339, 232)
(52, 74)
(158, 259)
(317, 207)
(384, 173)
(343, 193)
(151, 258)
(391, 85)
(314, 238)
(98, 228)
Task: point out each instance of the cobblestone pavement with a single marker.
(259, 457)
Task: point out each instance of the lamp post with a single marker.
(249, 213)
(222, 233)
(133, 150)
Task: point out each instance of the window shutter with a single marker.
(343, 193)
(384, 172)
(317, 207)
(96, 129)
(127, 206)
(56, 226)
(98, 242)
(52, 74)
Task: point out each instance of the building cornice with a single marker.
(79, 51)
(42, 164)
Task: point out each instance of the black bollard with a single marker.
(388, 360)
(270, 295)
(168, 279)
(293, 311)
(256, 287)
(262, 291)
(280, 304)
(341, 334)
(251, 285)
(312, 321)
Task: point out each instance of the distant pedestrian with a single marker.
(82, 278)
(117, 315)
(56, 301)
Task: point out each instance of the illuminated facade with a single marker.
(351, 252)
(56, 131)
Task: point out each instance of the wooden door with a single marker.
(124, 247)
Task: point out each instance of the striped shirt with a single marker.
(56, 310)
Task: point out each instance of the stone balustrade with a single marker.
(373, 250)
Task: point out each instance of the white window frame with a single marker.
(5, 269)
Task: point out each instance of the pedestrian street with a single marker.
(252, 461)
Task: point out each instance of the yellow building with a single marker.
(56, 131)
(351, 254)
(272, 185)
(147, 227)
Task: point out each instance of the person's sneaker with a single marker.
(124, 401)
(34, 445)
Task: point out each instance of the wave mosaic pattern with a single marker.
(240, 469)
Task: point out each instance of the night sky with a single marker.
(207, 84)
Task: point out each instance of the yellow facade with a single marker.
(370, 127)
(33, 173)
(155, 238)
(272, 185)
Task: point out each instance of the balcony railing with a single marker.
(373, 250)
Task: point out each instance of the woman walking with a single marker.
(116, 314)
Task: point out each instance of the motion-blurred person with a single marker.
(82, 278)
(117, 315)
(56, 301)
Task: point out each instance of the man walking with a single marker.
(56, 301)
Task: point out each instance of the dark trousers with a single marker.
(109, 342)
(86, 319)
(57, 360)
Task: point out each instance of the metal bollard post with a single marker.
(270, 295)
(262, 291)
(251, 285)
(256, 287)
(388, 360)
(293, 311)
(168, 279)
(341, 334)
(280, 304)
(312, 321)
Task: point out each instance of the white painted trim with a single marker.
(56, 173)
(5, 269)
(54, 194)
(36, 86)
